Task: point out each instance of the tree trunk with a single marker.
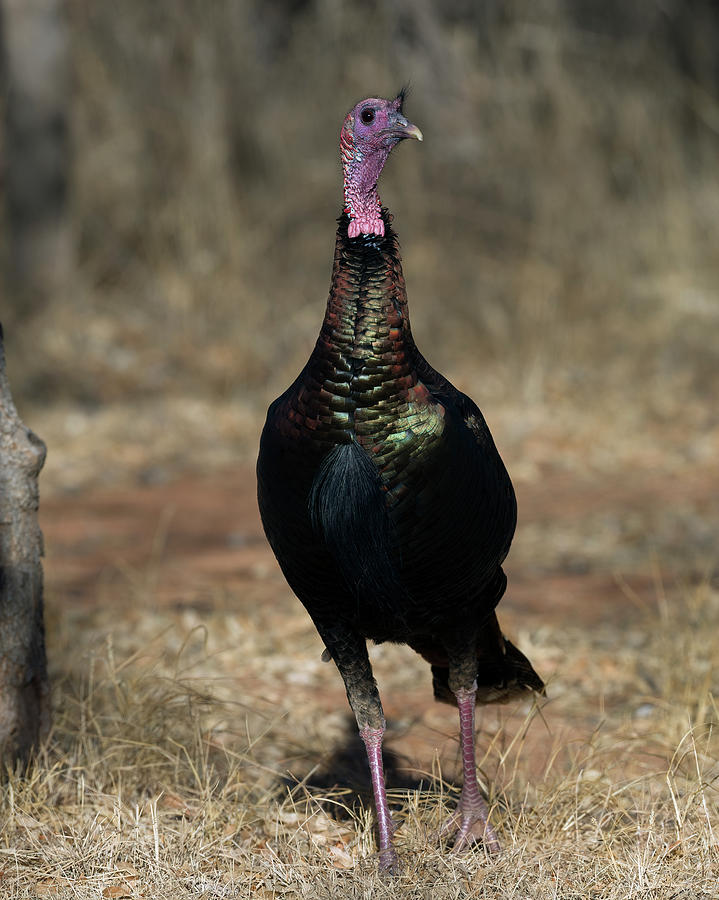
(24, 700)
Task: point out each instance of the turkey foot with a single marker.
(470, 821)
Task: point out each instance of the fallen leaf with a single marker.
(116, 890)
(340, 857)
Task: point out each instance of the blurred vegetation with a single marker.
(560, 223)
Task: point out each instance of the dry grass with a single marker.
(187, 764)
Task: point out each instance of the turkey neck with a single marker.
(364, 352)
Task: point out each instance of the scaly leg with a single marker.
(349, 652)
(372, 738)
(470, 820)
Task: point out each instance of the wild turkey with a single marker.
(381, 491)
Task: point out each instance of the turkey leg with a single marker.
(349, 651)
(470, 820)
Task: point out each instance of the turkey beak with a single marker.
(401, 128)
(411, 131)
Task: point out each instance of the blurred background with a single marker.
(171, 182)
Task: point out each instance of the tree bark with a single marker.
(24, 693)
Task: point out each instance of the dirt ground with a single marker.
(591, 560)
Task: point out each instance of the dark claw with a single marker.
(389, 861)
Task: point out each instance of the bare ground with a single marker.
(192, 553)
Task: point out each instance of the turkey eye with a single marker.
(367, 115)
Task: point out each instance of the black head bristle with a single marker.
(403, 94)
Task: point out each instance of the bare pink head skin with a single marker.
(369, 132)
